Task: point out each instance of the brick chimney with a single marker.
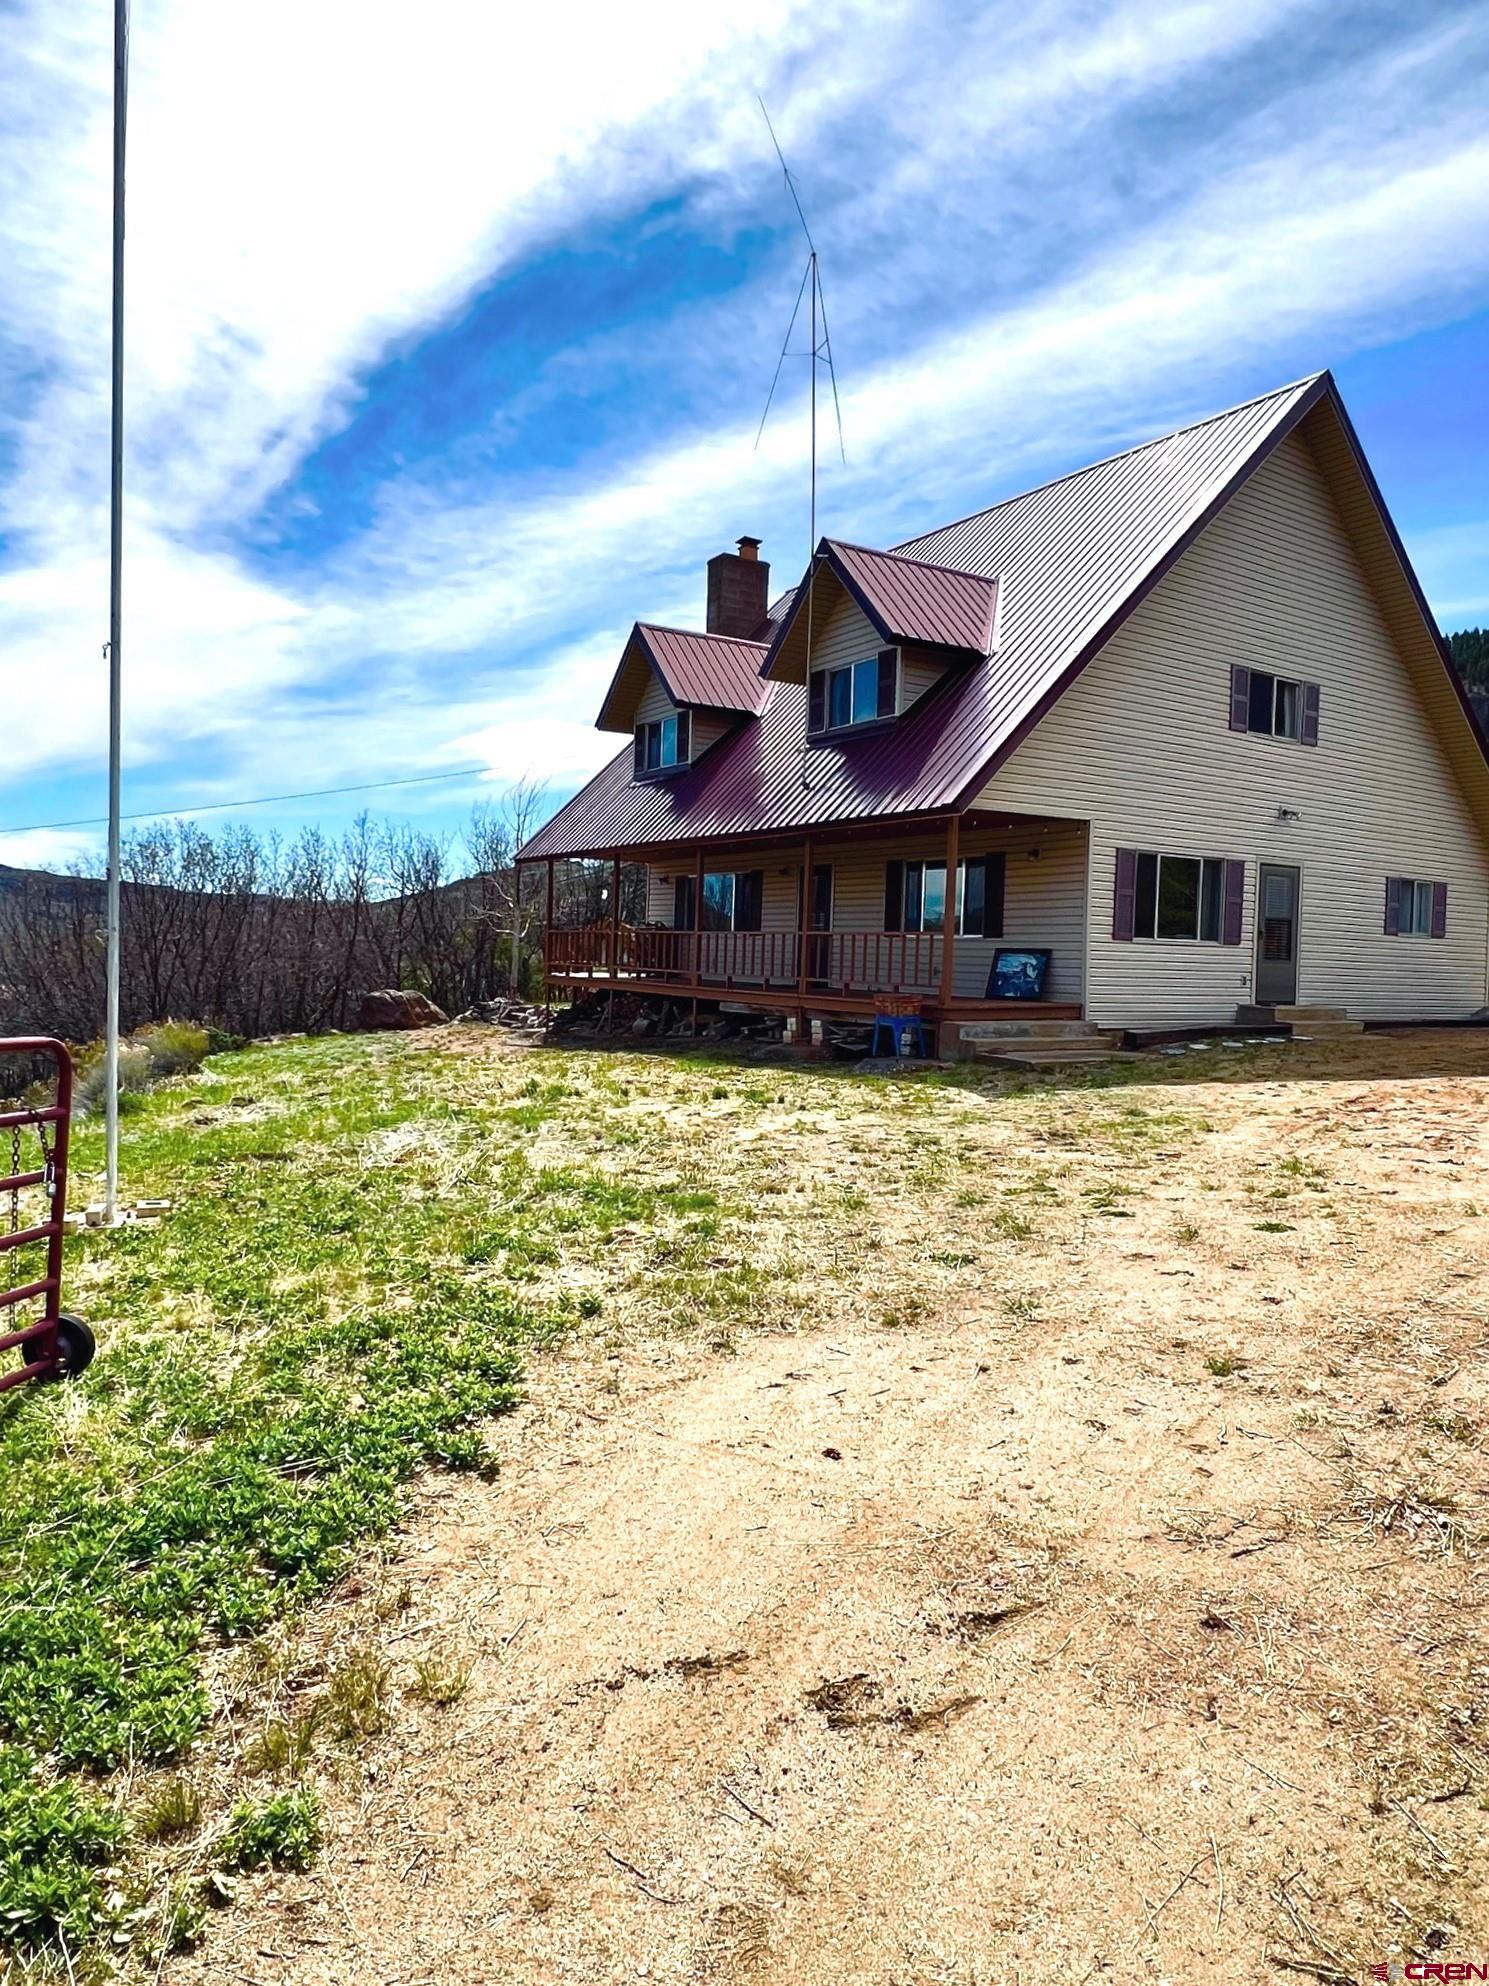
(738, 591)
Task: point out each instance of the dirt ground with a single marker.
(1086, 1583)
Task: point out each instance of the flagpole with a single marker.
(116, 551)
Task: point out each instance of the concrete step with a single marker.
(1325, 1030)
(1025, 1030)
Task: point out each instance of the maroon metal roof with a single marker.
(906, 600)
(1074, 558)
(713, 671)
(704, 671)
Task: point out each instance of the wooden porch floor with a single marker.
(791, 1000)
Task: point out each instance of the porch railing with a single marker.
(836, 961)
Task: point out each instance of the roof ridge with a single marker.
(702, 634)
(1102, 461)
(931, 565)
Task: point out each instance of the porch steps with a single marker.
(1041, 1044)
(1314, 1023)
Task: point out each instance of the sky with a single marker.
(449, 329)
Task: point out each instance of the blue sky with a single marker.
(448, 336)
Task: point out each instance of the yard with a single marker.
(587, 1515)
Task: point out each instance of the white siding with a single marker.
(847, 635)
(1140, 746)
(916, 677)
(654, 703)
(706, 729)
(1044, 901)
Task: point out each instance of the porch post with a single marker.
(805, 919)
(948, 920)
(548, 945)
(615, 918)
(804, 939)
(698, 918)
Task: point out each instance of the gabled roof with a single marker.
(1077, 556)
(903, 599)
(702, 671)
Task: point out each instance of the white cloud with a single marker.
(50, 848)
(342, 176)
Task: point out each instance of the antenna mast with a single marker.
(116, 678)
(821, 347)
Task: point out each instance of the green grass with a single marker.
(304, 1332)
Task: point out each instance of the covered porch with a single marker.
(875, 929)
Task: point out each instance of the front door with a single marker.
(1277, 892)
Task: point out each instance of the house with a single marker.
(1181, 720)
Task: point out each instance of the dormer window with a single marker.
(662, 744)
(854, 692)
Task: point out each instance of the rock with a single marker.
(391, 1008)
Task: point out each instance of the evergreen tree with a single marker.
(1470, 651)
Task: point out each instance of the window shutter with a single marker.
(1240, 701)
(894, 896)
(887, 676)
(974, 896)
(749, 893)
(1309, 733)
(1393, 906)
(1439, 910)
(1235, 902)
(817, 701)
(684, 736)
(997, 882)
(1124, 896)
(682, 903)
(638, 754)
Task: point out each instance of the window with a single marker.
(857, 693)
(1416, 909)
(915, 896)
(732, 900)
(1275, 706)
(662, 743)
(1178, 896)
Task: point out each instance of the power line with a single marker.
(259, 800)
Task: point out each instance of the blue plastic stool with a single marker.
(899, 1027)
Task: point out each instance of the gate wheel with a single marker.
(76, 1345)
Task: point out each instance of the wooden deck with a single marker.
(813, 1000)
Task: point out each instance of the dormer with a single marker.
(677, 692)
(871, 633)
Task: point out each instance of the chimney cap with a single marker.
(747, 547)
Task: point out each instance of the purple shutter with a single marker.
(684, 736)
(638, 753)
(817, 701)
(1124, 897)
(1235, 902)
(887, 674)
(996, 892)
(1393, 906)
(1439, 910)
(1309, 731)
(894, 896)
(1240, 701)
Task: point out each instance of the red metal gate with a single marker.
(33, 1201)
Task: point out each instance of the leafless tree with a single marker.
(256, 935)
